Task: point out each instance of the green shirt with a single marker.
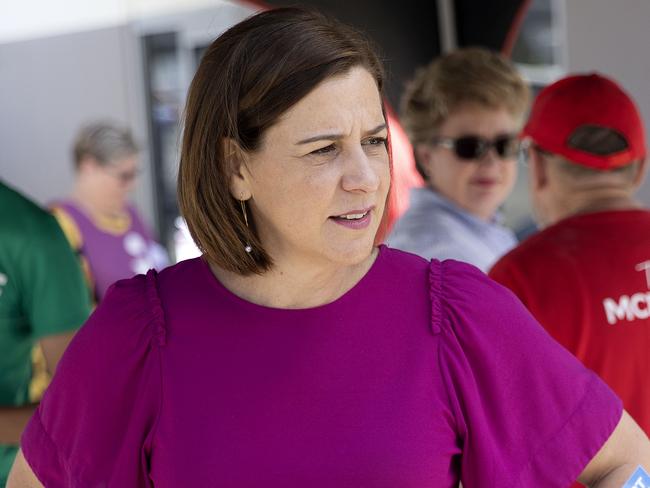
(42, 292)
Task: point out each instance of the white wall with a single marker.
(29, 19)
(613, 37)
(66, 62)
(48, 88)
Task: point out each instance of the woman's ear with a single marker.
(235, 158)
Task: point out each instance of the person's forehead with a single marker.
(480, 117)
(340, 100)
(125, 162)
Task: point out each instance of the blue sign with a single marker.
(640, 479)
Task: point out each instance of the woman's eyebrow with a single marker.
(379, 128)
(335, 137)
(321, 137)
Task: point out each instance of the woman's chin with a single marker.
(353, 253)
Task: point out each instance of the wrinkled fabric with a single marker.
(420, 375)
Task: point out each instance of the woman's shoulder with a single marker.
(405, 261)
(131, 316)
(460, 294)
(456, 276)
(453, 287)
(147, 288)
(130, 309)
(464, 298)
(183, 274)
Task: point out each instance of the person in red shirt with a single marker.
(586, 275)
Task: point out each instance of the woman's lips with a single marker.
(485, 182)
(356, 219)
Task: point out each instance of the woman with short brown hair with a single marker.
(295, 352)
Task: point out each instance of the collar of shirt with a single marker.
(426, 198)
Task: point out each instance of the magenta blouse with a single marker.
(424, 373)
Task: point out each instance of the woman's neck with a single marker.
(94, 205)
(294, 285)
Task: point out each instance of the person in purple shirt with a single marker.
(101, 225)
(295, 352)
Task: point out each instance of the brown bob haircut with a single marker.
(248, 77)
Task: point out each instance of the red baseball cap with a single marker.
(586, 100)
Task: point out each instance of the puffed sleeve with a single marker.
(527, 412)
(95, 424)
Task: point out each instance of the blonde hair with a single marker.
(105, 141)
(469, 75)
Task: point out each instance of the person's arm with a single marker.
(626, 449)
(21, 475)
(12, 423)
(14, 419)
(53, 347)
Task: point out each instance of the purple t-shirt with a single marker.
(422, 374)
(114, 256)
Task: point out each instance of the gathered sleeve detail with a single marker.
(157, 314)
(96, 423)
(527, 412)
(435, 292)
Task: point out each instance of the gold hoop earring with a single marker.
(248, 248)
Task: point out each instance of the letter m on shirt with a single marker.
(618, 311)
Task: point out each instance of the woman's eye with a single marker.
(375, 141)
(324, 150)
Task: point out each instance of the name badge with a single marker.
(640, 479)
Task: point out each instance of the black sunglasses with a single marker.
(507, 146)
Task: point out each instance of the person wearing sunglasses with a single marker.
(463, 113)
(103, 228)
